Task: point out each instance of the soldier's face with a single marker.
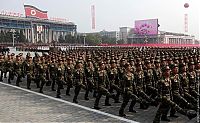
(175, 70)
(102, 66)
(157, 64)
(192, 67)
(80, 65)
(184, 69)
(167, 73)
(149, 65)
(113, 65)
(123, 62)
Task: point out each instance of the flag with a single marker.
(31, 11)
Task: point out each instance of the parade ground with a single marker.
(18, 104)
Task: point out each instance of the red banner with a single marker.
(31, 11)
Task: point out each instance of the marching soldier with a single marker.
(192, 80)
(114, 82)
(42, 69)
(52, 71)
(89, 72)
(176, 88)
(18, 69)
(102, 85)
(164, 87)
(149, 81)
(69, 69)
(79, 80)
(60, 76)
(184, 82)
(129, 90)
(1, 66)
(29, 69)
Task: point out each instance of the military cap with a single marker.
(174, 65)
(126, 65)
(147, 61)
(182, 65)
(29, 57)
(101, 63)
(122, 59)
(113, 61)
(89, 59)
(12, 54)
(157, 61)
(191, 63)
(165, 68)
(20, 54)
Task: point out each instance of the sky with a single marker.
(112, 14)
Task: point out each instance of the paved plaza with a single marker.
(18, 104)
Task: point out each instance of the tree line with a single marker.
(90, 39)
(7, 37)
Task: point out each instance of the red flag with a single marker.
(31, 11)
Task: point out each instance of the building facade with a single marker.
(37, 30)
(110, 34)
(124, 34)
(162, 38)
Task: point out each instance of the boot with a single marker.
(191, 114)
(165, 118)
(132, 110)
(67, 91)
(58, 96)
(121, 113)
(97, 107)
(75, 101)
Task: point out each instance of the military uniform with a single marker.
(52, 70)
(29, 70)
(103, 85)
(42, 69)
(1, 66)
(129, 91)
(18, 69)
(60, 77)
(176, 90)
(192, 80)
(79, 80)
(165, 87)
(89, 73)
(69, 70)
(114, 83)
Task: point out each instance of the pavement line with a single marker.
(73, 104)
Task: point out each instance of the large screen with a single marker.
(146, 27)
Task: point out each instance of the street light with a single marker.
(13, 36)
(84, 35)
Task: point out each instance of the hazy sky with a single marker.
(112, 14)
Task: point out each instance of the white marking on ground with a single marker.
(73, 104)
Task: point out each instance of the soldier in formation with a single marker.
(148, 76)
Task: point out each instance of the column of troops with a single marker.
(168, 78)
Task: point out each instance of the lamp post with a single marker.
(84, 35)
(13, 36)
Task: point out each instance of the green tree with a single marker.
(21, 37)
(92, 39)
(2, 37)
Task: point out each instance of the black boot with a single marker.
(165, 118)
(121, 113)
(191, 114)
(67, 91)
(97, 107)
(132, 110)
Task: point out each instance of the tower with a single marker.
(186, 6)
(93, 17)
